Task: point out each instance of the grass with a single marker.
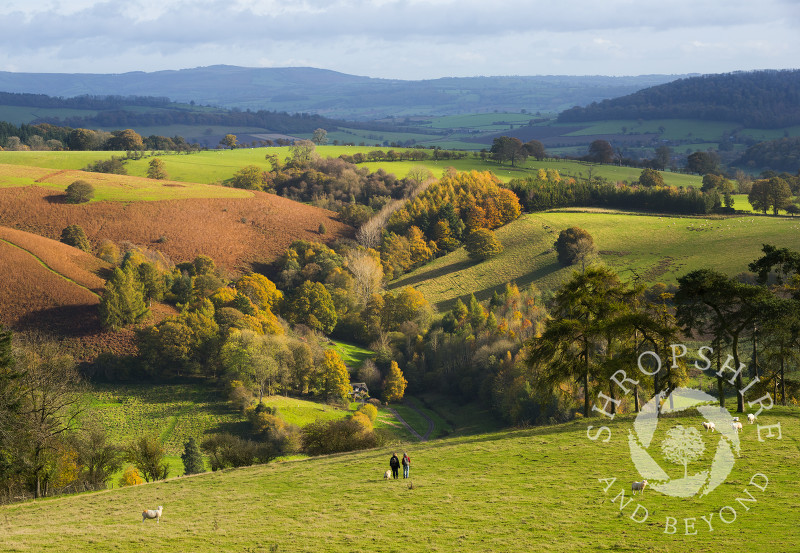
(215, 166)
(659, 249)
(352, 355)
(536, 489)
(302, 412)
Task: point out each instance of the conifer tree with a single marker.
(192, 458)
(123, 300)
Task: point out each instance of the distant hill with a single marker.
(760, 99)
(319, 91)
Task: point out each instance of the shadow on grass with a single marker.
(430, 275)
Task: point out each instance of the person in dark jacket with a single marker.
(406, 464)
(394, 463)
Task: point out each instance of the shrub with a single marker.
(240, 396)
(322, 229)
(79, 192)
(370, 411)
(324, 437)
(574, 245)
(73, 235)
(227, 451)
(269, 428)
(147, 455)
(362, 419)
(113, 166)
(130, 477)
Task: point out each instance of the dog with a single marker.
(387, 474)
(149, 513)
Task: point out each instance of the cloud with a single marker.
(139, 34)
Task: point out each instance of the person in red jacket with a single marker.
(406, 464)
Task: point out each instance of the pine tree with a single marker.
(123, 300)
(395, 386)
(193, 462)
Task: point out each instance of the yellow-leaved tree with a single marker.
(334, 379)
(395, 386)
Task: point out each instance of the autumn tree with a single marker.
(79, 192)
(302, 153)
(481, 244)
(333, 379)
(394, 388)
(250, 177)
(311, 304)
(156, 169)
(649, 177)
(147, 455)
(574, 245)
(229, 141)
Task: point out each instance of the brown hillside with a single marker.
(50, 287)
(236, 233)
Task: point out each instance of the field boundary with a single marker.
(49, 268)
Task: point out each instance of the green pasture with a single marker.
(352, 355)
(546, 488)
(674, 129)
(302, 412)
(215, 166)
(657, 248)
(485, 122)
(172, 412)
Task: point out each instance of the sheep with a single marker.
(751, 418)
(709, 426)
(736, 425)
(387, 474)
(638, 486)
(149, 513)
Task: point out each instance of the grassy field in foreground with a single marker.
(526, 490)
(659, 249)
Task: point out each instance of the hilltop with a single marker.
(761, 99)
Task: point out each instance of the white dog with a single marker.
(387, 474)
(149, 513)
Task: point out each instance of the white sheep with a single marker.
(708, 425)
(751, 418)
(638, 486)
(736, 425)
(149, 513)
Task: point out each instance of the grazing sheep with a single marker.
(638, 486)
(387, 474)
(149, 513)
(751, 418)
(709, 426)
(736, 425)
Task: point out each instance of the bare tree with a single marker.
(367, 273)
(52, 402)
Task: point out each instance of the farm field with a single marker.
(215, 166)
(659, 249)
(536, 489)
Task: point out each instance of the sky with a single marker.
(402, 39)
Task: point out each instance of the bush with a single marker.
(74, 235)
(113, 166)
(79, 192)
(229, 451)
(362, 419)
(269, 428)
(130, 477)
(323, 437)
(370, 411)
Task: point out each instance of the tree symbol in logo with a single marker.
(682, 446)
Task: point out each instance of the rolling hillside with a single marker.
(658, 249)
(235, 227)
(522, 490)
